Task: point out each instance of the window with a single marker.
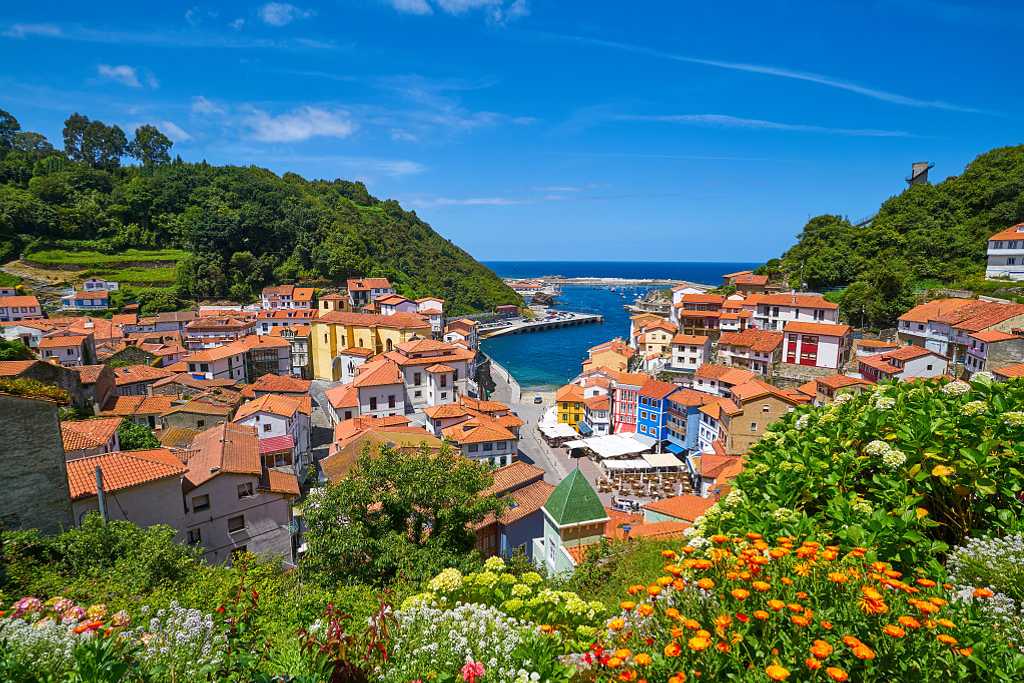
(765, 408)
(373, 403)
(455, 376)
(417, 379)
(267, 427)
(488, 447)
(195, 536)
(417, 394)
(200, 503)
(473, 448)
(348, 414)
(753, 426)
(200, 423)
(929, 366)
(500, 446)
(236, 523)
(444, 394)
(391, 400)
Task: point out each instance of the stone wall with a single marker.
(33, 478)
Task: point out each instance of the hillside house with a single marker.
(69, 349)
(287, 297)
(756, 350)
(818, 345)
(483, 439)
(991, 349)
(907, 362)
(689, 352)
(283, 424)
(90, 437)
(97, 300)
(1006, 254)
(773, 311)
(19, 307)
(364, 291)
(513, 531)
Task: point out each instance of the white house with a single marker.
(773, 311)
(820, 345)
(95, 284)
(1006, 254)
(432, 308)
(396, 303)
(283, 425)
(366, 290)
(96, 300)
(222, 362)
(484, 439)
(718, 380)
(351, 359)
(380, 389)
(462, 331)
(906, 362)
(287, 297)
(21, 307)
(597, 414)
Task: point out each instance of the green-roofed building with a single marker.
(573, 518)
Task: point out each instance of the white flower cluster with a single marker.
(884, 403)
(186, 643)
(861, 505)
(996, 564)
(45, 645)
(892, 458)
(984, 377)
(972, 408)
(802, 422)
(443, 640)
(1014, 418)
(784, 515)
(843, 398)
(956, 388)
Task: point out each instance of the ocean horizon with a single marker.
(552, 357)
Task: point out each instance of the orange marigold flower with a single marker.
(760, 615)
(777, 672)
(801, 595)
(966, 651)
(723, 621)
(851, 641)
(983, 593)
(863, 652)
(698, 643)
(664, 580)
(642, 659)
(740, 593)
(837, 674)
(691, 624)
(795, 607)
(869, 606)
(722, 646)
(627, 605)
(623, 653)
(937, 601)
(702, 564)
(613, 663)
(926, 607)
(893, 574)
(753, 535)
(679, 677)
(812, 664)
(627, 676)
(654, 590)
(909, 622)
(702, 634)
(800, 620)
(645, 609)
(679, 584)
(616, 624)
(668, 554)
(821, 649)
(829, 555)
(946, 639)
(945, 623)
(927, 583)
(825, 624)
(689, 550)
(893, 631)
(859, 552)
(776, 604)
(672, 613)
(705, 584)
(786, 580)
(672, 650)
(777, 553)
(635, 589)
(761, 586)
(719, 538)
(838, 577)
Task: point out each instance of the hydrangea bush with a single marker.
(912, 468)
(993, 568)
(523, 597)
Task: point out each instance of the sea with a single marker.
(552, 357)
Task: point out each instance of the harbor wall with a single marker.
(506, 376)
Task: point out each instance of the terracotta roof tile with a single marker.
(228, 447)
(121, 470)
(820, 329)
(1011, 371)
(724, 373)
(83, 434)
(343, 396)
(278, 384)
(282, 482)
(513, 476)
(378, 372)
(275, 404)
(478, 430)
(130, 374)
(759, 341)
(687, 507)
(795, 299)
(1014, 232)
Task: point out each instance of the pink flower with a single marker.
(472, 671)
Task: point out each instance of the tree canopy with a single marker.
(245, 227)
(397, 515)
(926, 233)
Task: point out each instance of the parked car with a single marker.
(538, 399)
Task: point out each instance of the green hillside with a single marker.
(927, 235)
(230, 229)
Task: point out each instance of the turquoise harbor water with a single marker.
(551, 358)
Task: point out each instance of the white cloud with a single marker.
(152, 81)
(726, 121)
(412, 6)
(201, 105)
(24, 30)
(399, 135)
(461, 6)
(237, 24)
(781, 72)
(467, 201)
(123, 74)
(173, 131)
(282, 13)
(298, 125)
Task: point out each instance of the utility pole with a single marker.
(100, 496)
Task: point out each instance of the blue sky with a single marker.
(525, 129)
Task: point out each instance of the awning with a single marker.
(575, 443)
(675, 448)
(631, 464)
(277, 444)
(585, 429)
(616, 445)
(558, 431)
(662, 460)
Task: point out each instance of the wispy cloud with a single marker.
(496, 11)
(123, 74)
(191, 38)
(727, 121)
(364, 166)
(298, 125)
(778, 72)
(172, 130)
(466, 201)
(282, 13)
(202, 105)
(27, 30)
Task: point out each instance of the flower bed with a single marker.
(746, 609)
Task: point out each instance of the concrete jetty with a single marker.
(550, 320)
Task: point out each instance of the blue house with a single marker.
(86, 301)
(652, 409)
(523, 487)
(684, 420)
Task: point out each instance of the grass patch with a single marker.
(63, 257)
(136, 275)
(8, 280)
(620, 565)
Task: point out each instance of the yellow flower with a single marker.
(614, 663)
(761, 586)
(776, 672)
(645, 610)
(945, 623)
(623, 653)
(672, 650)
(627, 605)
(705, 584)
(909, 622)
(740, 593)
(642, 659)
(776, 605)
(863, 652)
(616, 624)
(821, 649)
(838, 577)
(760, 615)
(946, 639)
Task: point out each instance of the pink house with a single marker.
(819, 345)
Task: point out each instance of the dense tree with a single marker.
(133, 436)
(397, 515)
(14, 350)
(94, 142)
(150, 146)
(9, 128)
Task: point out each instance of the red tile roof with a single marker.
(702, 299)
(841, 381)
(994, 336)
(935, 309)
(278, 384)
(364, 284)
(275, 404)
(513, 476)
(277, 444)
(128, 406)
(282, 482)
(477, 430)
(759, 341)
(121, 470)
(397, 321)
(130, 374)
(378, 372)
(1014, 232)
(819, 329)
(689, 339)
(798, 300)
(687, 507)
(906, 353)
(227, 448)
(569, 392)
(657, 389)
(83, 434)
(343, 396)
(689, 397)
(724, 373)
(13, 368)
(1011, 371)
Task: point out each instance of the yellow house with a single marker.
(614, 354)
(657, 338)
(570, 404)
(335, 331)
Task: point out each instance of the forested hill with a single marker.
(927, 234)
(243, 227)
